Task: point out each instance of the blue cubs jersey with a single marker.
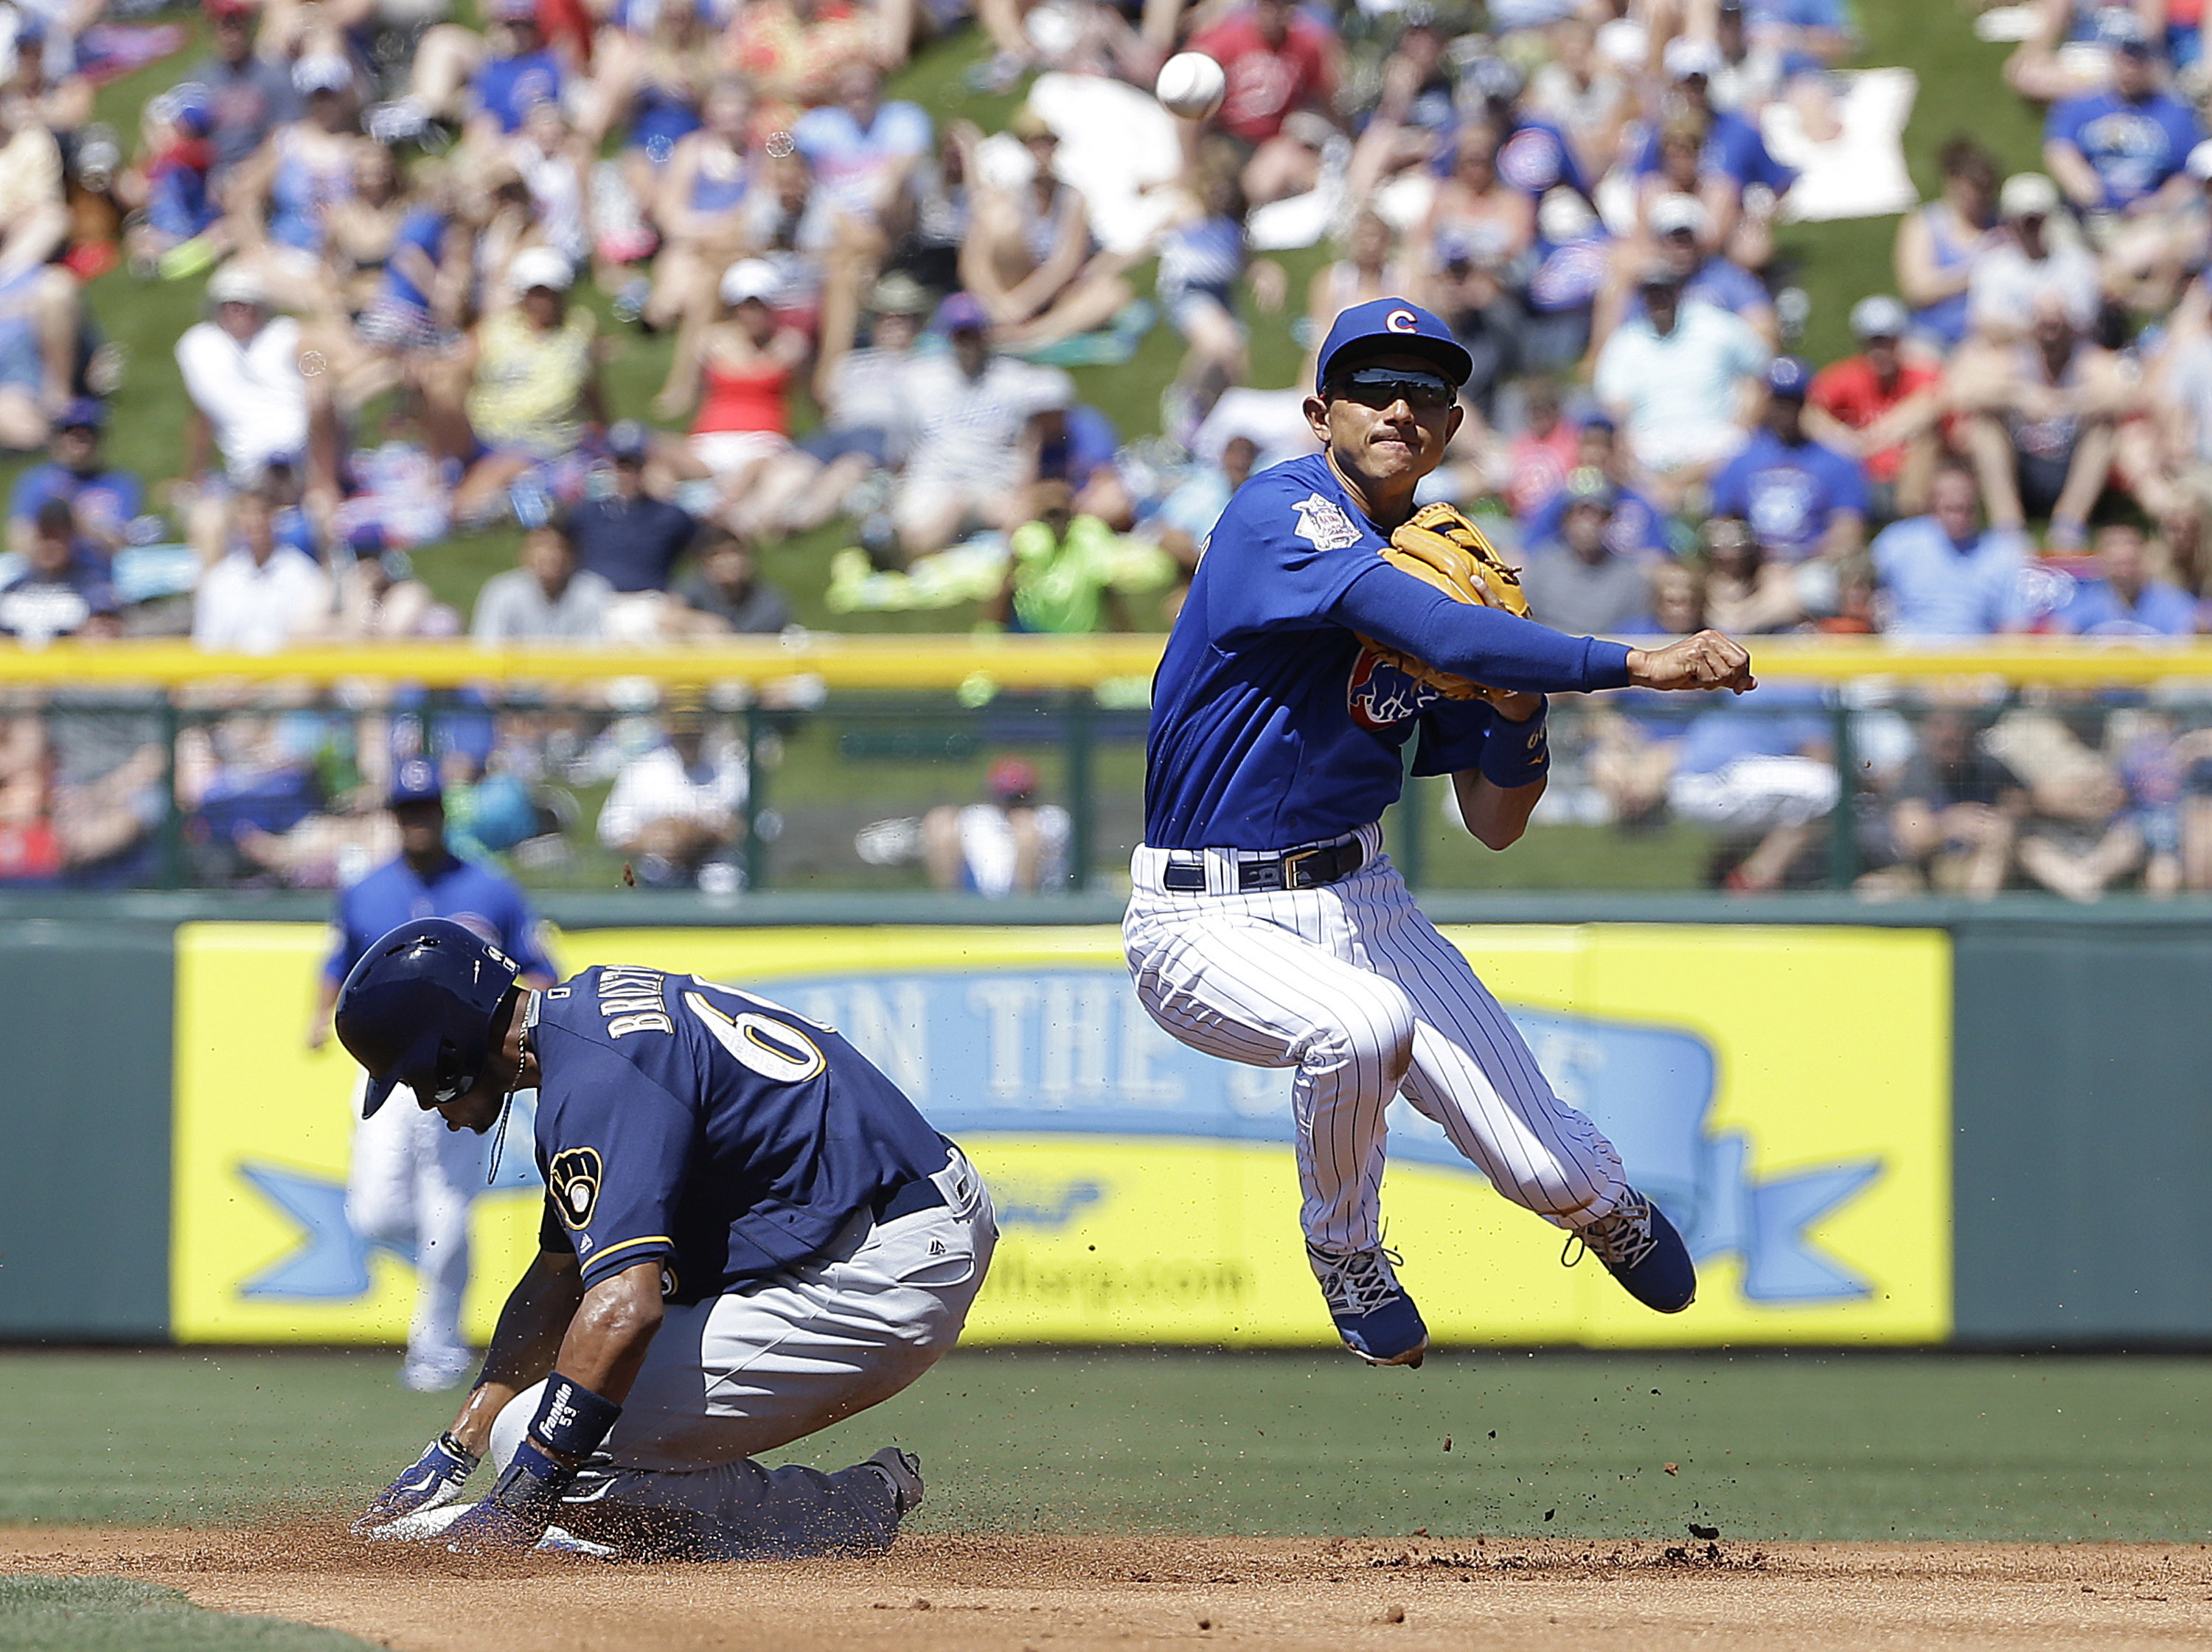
(1272, 724)
(2133, 147)
(481, 900)
(1788, 494)
(718, 1134)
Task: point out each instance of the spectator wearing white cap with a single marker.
(279, 197)
(1681, 381)
(2035, 254)
(1733, 159)
(740, 374)
(532, 373)
(1879, 407)
(241, 369)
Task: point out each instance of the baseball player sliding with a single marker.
(1330, 622)
(748, 1234)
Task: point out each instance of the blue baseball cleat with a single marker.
(1373, 1314)
(1639, 1248)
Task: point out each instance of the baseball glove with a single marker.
(1441, 546)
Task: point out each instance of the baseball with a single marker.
(1191, 84)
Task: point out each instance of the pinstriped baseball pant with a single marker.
(1353, 987)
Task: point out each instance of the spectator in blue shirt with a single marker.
(1638, 528)
(1944, 574)
(626, 537)
(1800, 500)
(104, 500)
(2122, 149)
(520, 74)
(2123, 600)
(63, 590)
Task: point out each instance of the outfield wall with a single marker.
(1896, 1126)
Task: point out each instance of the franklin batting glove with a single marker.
(436, 1477)
(519, 1509)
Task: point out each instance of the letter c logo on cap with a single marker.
(1401, 321)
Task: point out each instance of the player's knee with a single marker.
(1372, 1031)
(509, 1426)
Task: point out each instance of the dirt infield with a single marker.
(1057, 1594)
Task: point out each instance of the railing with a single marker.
(132, 765)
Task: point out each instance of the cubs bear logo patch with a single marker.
(1381, 693)
(574, 1176)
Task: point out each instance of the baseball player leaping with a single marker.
(748, 1235)
(1267, 927)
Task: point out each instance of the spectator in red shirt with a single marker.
(1282, 69)
(1879, 407)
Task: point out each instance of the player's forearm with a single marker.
(523, 1345)
(1486, 645)
(607, 1339)
(1496, 816)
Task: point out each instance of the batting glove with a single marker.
(519, 1509)
(436, 1477)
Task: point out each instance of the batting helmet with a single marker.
(417, 1010)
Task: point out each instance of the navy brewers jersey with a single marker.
(1272, 725)
(718, 1134)
(482, 901)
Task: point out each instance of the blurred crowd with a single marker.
(417, 240)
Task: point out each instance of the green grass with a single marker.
(1765, 1447)
(109, 1614)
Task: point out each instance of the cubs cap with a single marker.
(1879, 316)
(415, 781)
(1393, 326)
(1787, 376)
(1012, 779)
(627, 440)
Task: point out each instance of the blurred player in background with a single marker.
(411, 1180)
(749, 1234)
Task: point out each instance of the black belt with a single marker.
(1299, 869)
(919, 1194)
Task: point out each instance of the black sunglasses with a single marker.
(1382, 387)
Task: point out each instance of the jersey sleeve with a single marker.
(615, 1160)
(1453, 734)
(1286, 554)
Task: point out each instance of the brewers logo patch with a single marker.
(574, 1177)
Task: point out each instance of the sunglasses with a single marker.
(1382, 387)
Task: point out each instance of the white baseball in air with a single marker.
(1191, 84)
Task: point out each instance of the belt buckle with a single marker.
(1292, 861)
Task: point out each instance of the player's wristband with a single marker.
(1515, 754)
(571, 1419)
(529, 1488)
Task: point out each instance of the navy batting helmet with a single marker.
(417, 1010)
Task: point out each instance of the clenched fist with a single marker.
(1706, 660)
